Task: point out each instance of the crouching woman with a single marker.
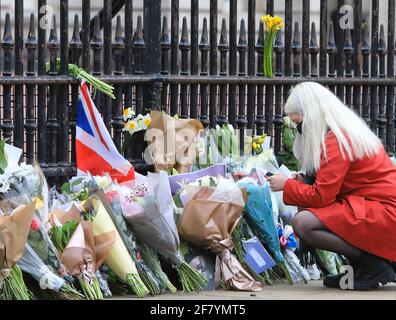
(351, 207)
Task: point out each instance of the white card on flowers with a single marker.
(267, 143)
(285, 170)
(13, 154)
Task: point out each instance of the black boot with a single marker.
(373, 271)
(393, 266)
(333, 280)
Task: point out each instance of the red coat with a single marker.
(354, 199)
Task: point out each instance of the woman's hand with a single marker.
(298, 177)
(277, 181)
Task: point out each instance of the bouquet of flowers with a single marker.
(266, 162)
(82, 75)
(31, 263)
(83, 255)
(227, 141)
(118, 258)
(82, 252)
(260, 215)
(148, 209)
(241, 233)
(209, 217)
(255, 144)
(288, 244)
(171, 142)
(39, 240)
(329, 260)
(153, 262)
(216, 145)
(133, 124)
(24, 179)
(272, 26)
(80, 188)
(14, 231)
(112, 198)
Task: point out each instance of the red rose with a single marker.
(35, 225)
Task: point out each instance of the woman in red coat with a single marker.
(351, 207)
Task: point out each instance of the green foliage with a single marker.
(62, 235)
(288, 137)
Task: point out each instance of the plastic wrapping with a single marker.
(155, 224)
(297, 272)
(33, 265)
(259, 213)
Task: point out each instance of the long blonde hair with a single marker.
(321, 111)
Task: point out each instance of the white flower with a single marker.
(4, 183)
(103, 182)
(18, 171)
(218, 127)
(11, 168)
(128, 114)
(131, 127)
(143, 121)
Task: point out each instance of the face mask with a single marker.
(299, 127)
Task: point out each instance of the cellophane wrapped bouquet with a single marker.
(81, 250)
(149, 210)
(210, 215)
(14, 229)
(118, 259)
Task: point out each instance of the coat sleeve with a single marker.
(329, 179)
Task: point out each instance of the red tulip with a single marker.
(35, 225)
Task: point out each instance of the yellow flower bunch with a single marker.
(254, 144)
(272, 23)
(257, 143)
(272, 26)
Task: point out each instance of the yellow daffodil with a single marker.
(272, 26)
(266, 18)
(279, 26)
(277, 20)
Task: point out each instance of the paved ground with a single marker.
(311, 291)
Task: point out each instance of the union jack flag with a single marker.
(95, 150)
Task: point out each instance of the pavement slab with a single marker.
(314, 290)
